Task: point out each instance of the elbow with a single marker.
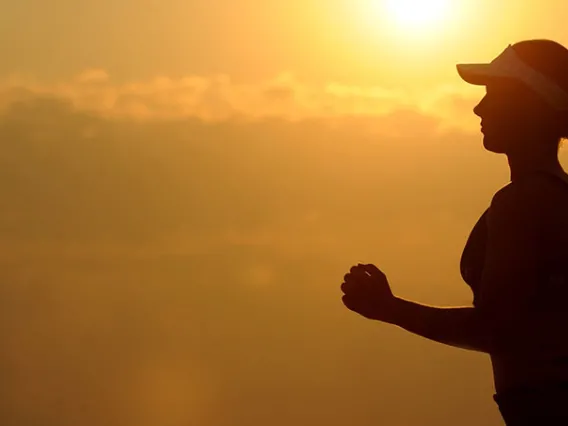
(497, 334)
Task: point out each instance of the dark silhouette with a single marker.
(516, 257)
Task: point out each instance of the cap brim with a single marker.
(477, 74)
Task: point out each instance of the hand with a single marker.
(367, 292)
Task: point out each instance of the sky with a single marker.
(185, 183)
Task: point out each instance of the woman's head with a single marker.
(526, 104)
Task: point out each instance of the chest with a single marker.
(553, 271)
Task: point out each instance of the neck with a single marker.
(524, 163)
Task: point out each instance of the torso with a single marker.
(518, 370)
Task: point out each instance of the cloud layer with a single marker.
(179, 270)
(215, 98)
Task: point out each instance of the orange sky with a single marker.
(350, 41)
(185, 183)
(333, 56)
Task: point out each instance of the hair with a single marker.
(550, 59)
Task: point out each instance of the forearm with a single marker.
(459, 327)
(467, 328)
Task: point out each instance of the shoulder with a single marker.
(525, 205)
(531, 194)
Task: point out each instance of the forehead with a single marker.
(504, 85)
(515, 95)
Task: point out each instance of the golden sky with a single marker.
(293, 58)
(185, 183)
(353, 41)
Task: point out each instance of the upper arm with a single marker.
(516, 227)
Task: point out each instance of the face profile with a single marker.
(526, 103)
(511, 116)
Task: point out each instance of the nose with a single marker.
(480, 107)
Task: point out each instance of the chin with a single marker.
(494, 145)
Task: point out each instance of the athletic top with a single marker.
(473, 256)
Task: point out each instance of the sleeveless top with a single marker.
(473, 256)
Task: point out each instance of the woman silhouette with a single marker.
(516, 257)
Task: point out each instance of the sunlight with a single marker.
(416, 15)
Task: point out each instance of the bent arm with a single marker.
(504, 318)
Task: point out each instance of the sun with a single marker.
(417, 14)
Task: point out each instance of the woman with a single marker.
(516, 257)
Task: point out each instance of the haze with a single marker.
(186, 183)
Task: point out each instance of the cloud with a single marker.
(90, 183)
(178, 270)
(217, 98)
(93, 76)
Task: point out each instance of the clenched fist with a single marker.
(367, 292)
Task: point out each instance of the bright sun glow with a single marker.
(418, 14)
